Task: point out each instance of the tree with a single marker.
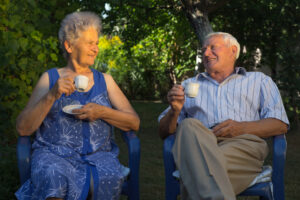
(137, 23)
(28, 46)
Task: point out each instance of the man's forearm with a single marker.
(168, 124)
(265, 127)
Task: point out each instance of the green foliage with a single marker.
(156, 44)
(9, 176)
(163, 53)
(28, 47)
(144, 70)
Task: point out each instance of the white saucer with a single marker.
(68, 109)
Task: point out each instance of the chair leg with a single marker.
(171, 196)
(264, 198)
(172, 190)
(269, 195)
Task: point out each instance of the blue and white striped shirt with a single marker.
(243, 96)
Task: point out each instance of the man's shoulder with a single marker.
(243, 71)
(257, 74)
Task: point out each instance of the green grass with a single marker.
(151, 166)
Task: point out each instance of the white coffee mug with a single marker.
(191, 89)
(81, 82)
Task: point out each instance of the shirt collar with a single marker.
(237, 70)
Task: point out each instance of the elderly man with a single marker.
(219, 147)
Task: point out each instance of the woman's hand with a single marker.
(64, 85)
(90, 112)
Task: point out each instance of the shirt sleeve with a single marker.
(271, 105)
(181, 116)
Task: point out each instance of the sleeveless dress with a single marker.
(67, 151)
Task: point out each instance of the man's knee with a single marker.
(191, 126)
(190, 123)
(185, 127)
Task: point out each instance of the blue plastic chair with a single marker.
(263, 190)
(130, 187)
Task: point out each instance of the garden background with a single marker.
(147, 45)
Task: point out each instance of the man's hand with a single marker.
(176, 98)
(229, 128)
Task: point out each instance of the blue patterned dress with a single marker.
(68, 151)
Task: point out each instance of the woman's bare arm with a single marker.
(41, 102)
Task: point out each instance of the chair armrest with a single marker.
(133, 144)
(168, 155)
(23, 156)
(172, 185)
(134, 149)
(279, 154)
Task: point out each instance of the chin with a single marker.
(209, 67)
(91, 62)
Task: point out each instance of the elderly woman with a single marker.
(72, 149)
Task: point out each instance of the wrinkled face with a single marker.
(85, 48)
(218, 55)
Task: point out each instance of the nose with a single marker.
(206, 52)
(95, 48)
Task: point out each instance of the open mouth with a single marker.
(207, 60)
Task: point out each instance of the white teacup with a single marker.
(81, 82)
(191, 89)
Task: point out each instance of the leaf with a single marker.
(23, 63)
(41, 57)
(36, 35)
(23, 43)
(32, 3)
(53, 57)
(14, 46)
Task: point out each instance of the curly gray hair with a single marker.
(73, 24)
(228, 38)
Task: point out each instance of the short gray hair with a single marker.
(228, 38)
(73, 24)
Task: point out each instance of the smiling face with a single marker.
(218, 56)
(85, 49)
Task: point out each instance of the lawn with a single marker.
(151, 168)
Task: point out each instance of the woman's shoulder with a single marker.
(108, 79)
(106, 76)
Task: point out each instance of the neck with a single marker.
(220, 76)
(74, 66)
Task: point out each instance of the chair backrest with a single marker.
(23, 157)
(279, 156)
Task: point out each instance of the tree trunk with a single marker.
(196, 12)
(172, 63)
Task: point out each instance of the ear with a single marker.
(234, 50)
(68, 46)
